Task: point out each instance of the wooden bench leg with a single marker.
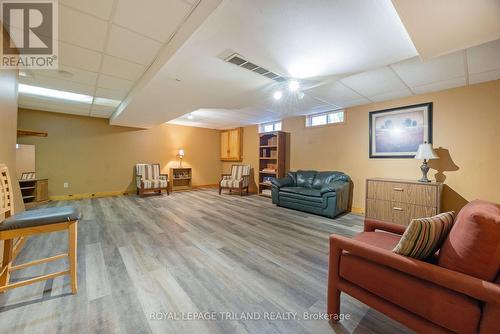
(8, 248)
(72, 254)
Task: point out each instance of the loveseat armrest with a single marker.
(474, 287)
(371, 225)
(287, 181)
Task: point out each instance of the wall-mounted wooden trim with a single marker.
(24, 132)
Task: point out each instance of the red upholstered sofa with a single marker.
(457, 291)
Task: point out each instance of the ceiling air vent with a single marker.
(238, 60)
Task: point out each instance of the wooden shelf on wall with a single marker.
(33, 133)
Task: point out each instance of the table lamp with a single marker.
(180, 155)
(425, 152)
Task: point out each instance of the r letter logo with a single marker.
(30, 39)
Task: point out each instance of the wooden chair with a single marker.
(238, 179)
(15, 228)
(149, 179)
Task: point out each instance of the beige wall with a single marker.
(466, 132)
(94, 157)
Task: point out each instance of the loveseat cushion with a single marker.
(439, 305)
(305, 178)
(472, 246)
(302, 191)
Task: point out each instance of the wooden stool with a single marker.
(15, 228)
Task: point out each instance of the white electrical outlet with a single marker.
(66, 185)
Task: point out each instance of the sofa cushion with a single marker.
(304, 178)
(424, 236)
(472, 246)
(439, 305)
(379, 239)
(302, 191)
(323, 178)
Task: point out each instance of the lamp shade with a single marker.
(425, 151)
(181, 153)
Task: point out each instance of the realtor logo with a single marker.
(32, 27)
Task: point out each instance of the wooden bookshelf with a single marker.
(34, 192)
(272, 159)
(180, 178)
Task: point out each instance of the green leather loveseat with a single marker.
(321, 193)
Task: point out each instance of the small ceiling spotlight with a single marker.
(190, 116)
(278, 95)
(293, 85)
(300, 95)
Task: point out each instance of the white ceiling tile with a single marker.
(77, 75)
(155, 18)
(485, 76)
(375, 82)
(121, 68)
(391, 95)
(110, 93)
(106, 81)
(415, 72)
(440, 85)
(99, 8)
(58, 84)
(356, 102)
(81, 29)
(78, 57)
(131, 46)
(484, 57)
(336, 93)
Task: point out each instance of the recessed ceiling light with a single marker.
(190, 116)
(293, 85)
(56, 94)
(278, 95)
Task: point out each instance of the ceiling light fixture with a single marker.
(190, 116)
(278, 95)
(52, 93)
(293, 85)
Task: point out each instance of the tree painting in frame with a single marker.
(397, 132)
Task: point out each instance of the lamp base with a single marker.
(425, 169)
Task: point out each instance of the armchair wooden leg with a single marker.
(241, 191)
(8, 248)
(72, 253)
(220, 190)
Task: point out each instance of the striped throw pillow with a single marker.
(424, 236)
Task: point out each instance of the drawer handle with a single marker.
(396, 208)
(398, 189)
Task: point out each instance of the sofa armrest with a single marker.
(453, 280)
(372, 224)
(287, 181)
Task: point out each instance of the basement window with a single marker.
(270, 127)
(325, 118)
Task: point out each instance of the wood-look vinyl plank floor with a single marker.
(188, 252)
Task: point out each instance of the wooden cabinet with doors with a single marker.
(231, 145)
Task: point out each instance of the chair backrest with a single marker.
(238, 171)
(148, 171)
(6, 194)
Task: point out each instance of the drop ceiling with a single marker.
(344, 53)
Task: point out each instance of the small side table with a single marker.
(180, 178)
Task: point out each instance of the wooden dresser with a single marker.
(400, 201)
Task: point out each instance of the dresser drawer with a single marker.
(379, 209)
(403, 213)
(425, 195)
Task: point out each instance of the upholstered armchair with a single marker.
(238, 179)
(455, 291)
(149, 179)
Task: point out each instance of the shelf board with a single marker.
(269, 158)
(268, 146)
(181, 178)
(24, 132)
(28, 197)
(26, 188)
(264, 172)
